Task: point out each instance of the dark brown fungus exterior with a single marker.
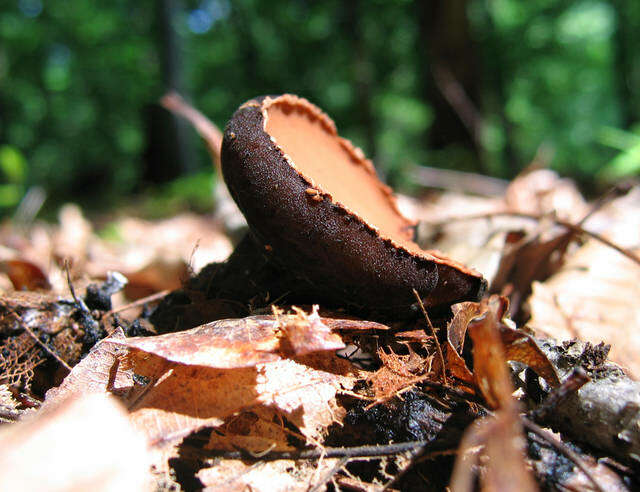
(316, 201)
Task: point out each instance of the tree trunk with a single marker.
(168, 153)
(449, 73)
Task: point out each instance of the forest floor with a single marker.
(97, 392)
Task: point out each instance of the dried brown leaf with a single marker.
(521, 347)
(180, 399)
(306, 333)
(99, 372)
(25, 275)
(529, 257)
(243, 342)
(517, 345)
(254, 431)
(500, 435)
(463, 313)
(499, 440)
(489, 363)
(273, 476)
(594, 297)
(84, 444)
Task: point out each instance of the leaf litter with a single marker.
(279, 398)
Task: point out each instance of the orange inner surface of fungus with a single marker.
(320, 156)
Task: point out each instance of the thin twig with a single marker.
(435, 337)
(44, 346)
(209, 132)
(138, 302)
(81, 305)
(562, 223)
(367, 451)
(563, 449)
(466, 182)
(610, 194)
(576, 380)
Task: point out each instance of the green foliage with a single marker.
(627, 162)
(13, 168)
(194, 191)
(76, 77)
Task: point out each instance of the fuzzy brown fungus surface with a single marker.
(317, 202)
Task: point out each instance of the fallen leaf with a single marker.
(500, 435)
(242, 342)
(500, 441)
(25, 275)
(83, 444)
(517, 345)
(99, 372)
(531, 256)
(270, 476)
(594, 297)
(521, 347)
(490, 371)
(179, 399)
(463, 313)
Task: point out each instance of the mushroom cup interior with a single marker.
(336, 168)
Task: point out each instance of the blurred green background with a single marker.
(481, 85)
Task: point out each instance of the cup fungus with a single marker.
(316, 205)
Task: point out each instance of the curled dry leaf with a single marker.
(25, 275)
(500, 441)
(490, 371)
(84, 444)
(517, 345)
(243, 342)
(521, 347)
(463, 313)
(501, 435)
(530, 256)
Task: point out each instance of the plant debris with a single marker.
(184, 371)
